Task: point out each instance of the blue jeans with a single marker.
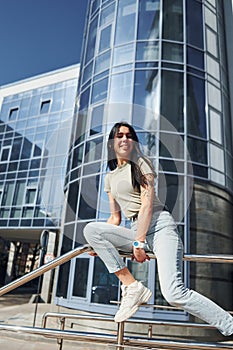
(163, 239)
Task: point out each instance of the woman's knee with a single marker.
(89, 231)
(174, 294)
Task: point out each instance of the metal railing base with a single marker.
(113, 340)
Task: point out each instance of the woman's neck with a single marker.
(121, 161)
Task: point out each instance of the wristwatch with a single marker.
(138, 244)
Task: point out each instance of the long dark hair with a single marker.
(137, 177)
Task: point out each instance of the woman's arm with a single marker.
(144, 216)
(115, 217)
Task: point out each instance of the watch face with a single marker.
(137, 244)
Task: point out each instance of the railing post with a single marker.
(150, 328)
(60, 340)
(120, 335)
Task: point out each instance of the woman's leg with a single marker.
(106, 239)
(168, 249)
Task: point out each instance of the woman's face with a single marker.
(123, 143)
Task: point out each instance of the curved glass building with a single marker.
(160, 65)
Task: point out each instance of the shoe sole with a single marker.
(145, 296)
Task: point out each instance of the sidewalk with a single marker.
(18, 311)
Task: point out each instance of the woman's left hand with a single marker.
(140, 255)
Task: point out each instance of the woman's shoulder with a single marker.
(146, 165)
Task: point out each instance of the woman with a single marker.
(130, 188)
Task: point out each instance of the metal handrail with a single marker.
(44, 268)
(199, 258)
(209, 258)
(111, 319)
(85, 248)
(110, 338)
(121, 340)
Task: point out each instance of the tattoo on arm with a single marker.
(149, 188)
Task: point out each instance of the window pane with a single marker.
(105, 38)
(90, 50)
(77, 156)
(104, 210)
(87, 72)
(95, 5)
(171, 192)
(88, 199)
(30, 196)
(99, 91)
(195, 57)
(16, 149)
(93, 150)
(148, 19)
(8, 194)
(57, 101)
(97, 120)
(123, 54)
(72, 201)
(81, 126)
(211, 42)
(213, 67)
(104, 286)
(149, 142)
(84, 99)
(102, 62)
(107, 14)
(44, 107)
(173, 20)
(64, 269)
(35, 105)
(194, 23)
(217, 177)
(210, 18)
(171, 146)
(13, 113)
(197, 150)
(172, 107)
(146, 89)
(4, 213)
(80, 277)
(26, 149)
(16, 213)
(172, 52)
(147, 51)
(215, 127)
(5, 154)
(124, 93)
(214, 95)
(28, 212)
(125, 26)
(196, 117)
(217, 158)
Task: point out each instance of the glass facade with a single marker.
(160, 65)
(35, 127)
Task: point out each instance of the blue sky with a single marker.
(37, 36)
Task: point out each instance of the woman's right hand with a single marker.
(140, 255)
(92, 253)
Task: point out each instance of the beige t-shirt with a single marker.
(118, 182)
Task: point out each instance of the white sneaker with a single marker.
(132, 297)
